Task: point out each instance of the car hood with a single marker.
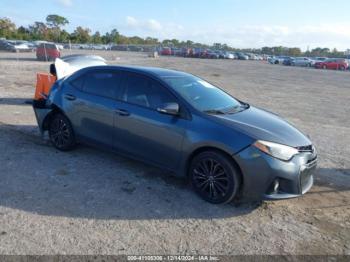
(263, 125)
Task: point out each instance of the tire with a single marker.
(342, 68)
(61, 133)
(214, 177)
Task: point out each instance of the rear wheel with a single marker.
(61, 133)
(214, 177)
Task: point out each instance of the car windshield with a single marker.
(203, 96)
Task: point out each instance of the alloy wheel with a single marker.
(60, 133)
(211, 179)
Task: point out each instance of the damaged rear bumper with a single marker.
(42, 111)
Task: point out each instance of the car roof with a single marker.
(154, 71)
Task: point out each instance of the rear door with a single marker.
(141, 130)
(93, 102)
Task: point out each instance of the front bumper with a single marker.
(262, 172)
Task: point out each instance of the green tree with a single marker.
(96, 38)
(112, 37)
(81, 35)
(23, 33)
(56, 21)
(38, 31)
(136, 40)
(7, 28)
(151, 41)
(295, 51)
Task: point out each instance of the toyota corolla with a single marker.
(227, 148)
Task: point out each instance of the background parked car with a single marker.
(16, 46)
(212, 54)
(228, 55)
(166, 51)
(242, 56)
(303, 61)
(333, 63)
(6, 46)
(319, 59)
(288, 61)
(195, 52)
(275, 60)
(47, 52)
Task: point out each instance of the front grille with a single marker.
(308, 148)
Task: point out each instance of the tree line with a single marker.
(51, 30)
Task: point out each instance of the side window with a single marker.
(137, 90)
(146, 92)
(78, 83)
(159, 95)
(102, 83)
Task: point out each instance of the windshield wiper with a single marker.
(228, 110)
(236, 109)
(214, 112)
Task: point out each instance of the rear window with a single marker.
(102, 84)
(78, 83)
(47, 46)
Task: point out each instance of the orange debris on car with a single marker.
(44, 82)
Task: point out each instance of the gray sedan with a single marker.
(227, 148)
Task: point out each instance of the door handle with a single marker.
(69, 97)
(122, 112)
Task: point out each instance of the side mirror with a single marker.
(169, 108)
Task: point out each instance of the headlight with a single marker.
(279, 151)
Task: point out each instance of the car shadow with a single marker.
(15, 101)
(92, 183)
(14, 58)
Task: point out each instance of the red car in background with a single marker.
(47, 52)
(166, 51)
(333, 63)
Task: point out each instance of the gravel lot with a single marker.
(92, 202)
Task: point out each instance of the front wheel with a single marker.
(61, 133)
(214, 177)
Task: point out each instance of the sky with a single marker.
(238, 23)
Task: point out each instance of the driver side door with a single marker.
(142, 131)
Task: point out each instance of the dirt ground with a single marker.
(92, 202)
